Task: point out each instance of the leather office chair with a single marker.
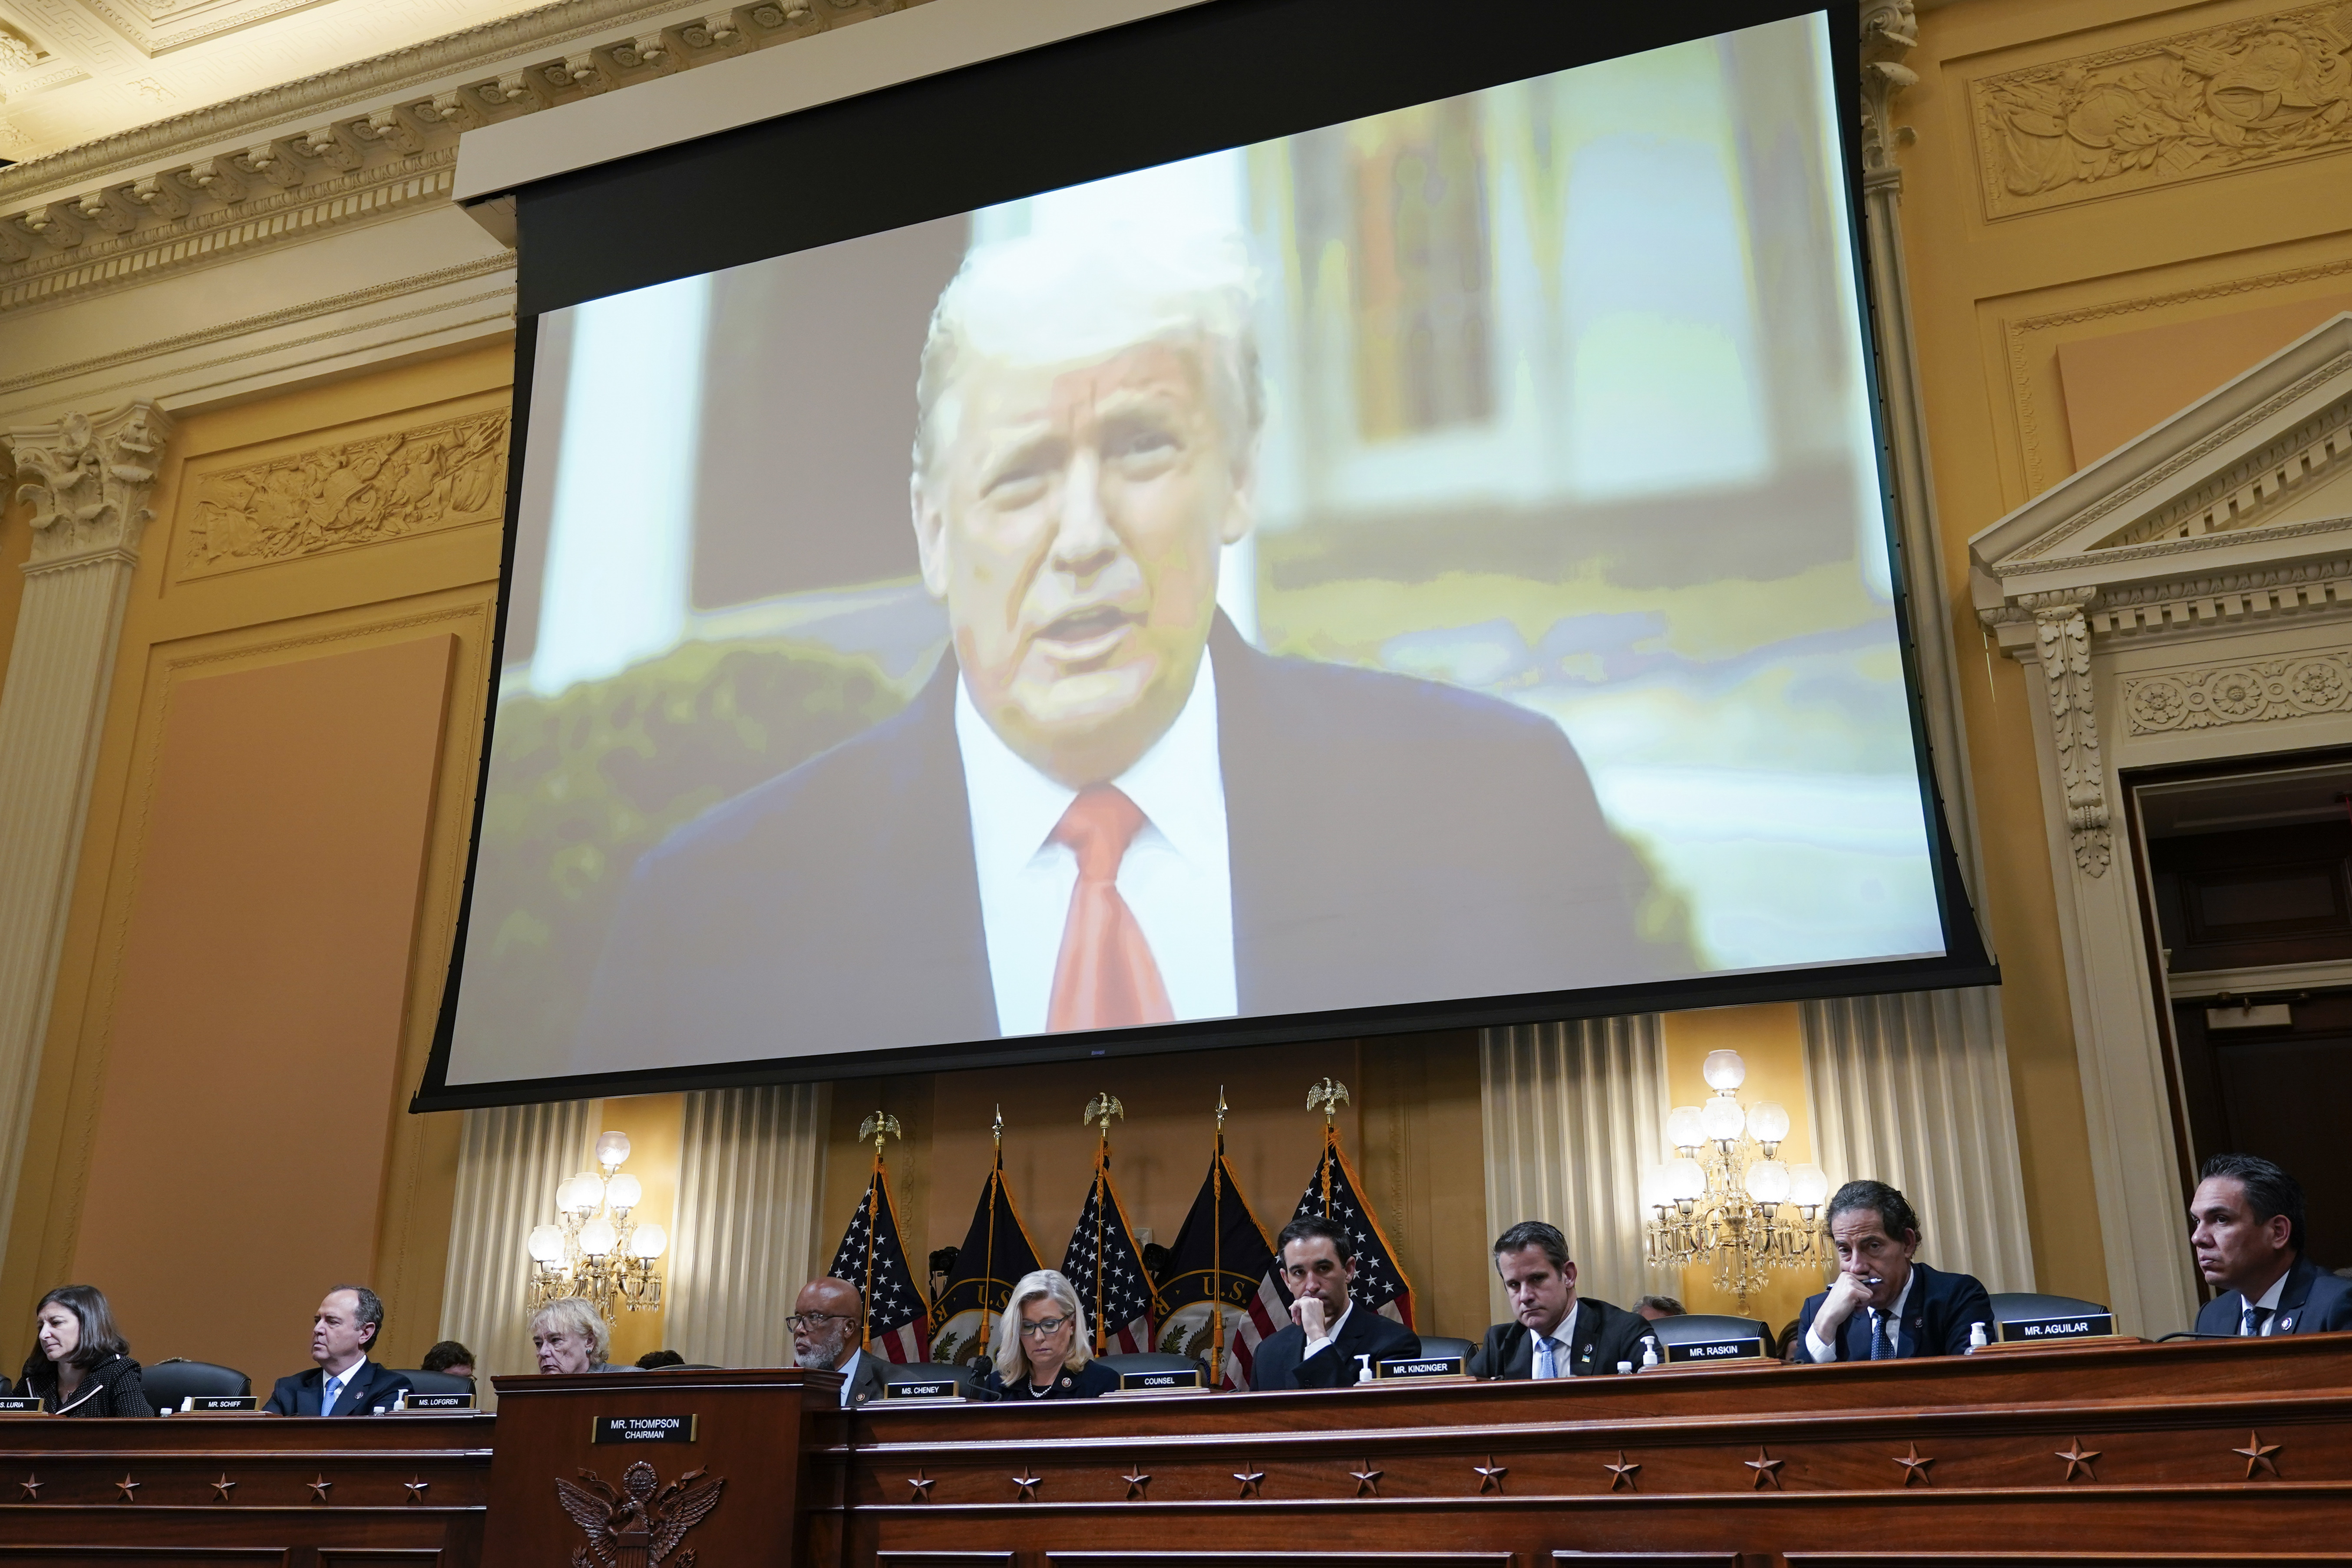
(1695, 1327)
(966, 1374)
(1151, 1360)
(1446, 1344)
(436, 1381)
(169, 1382)
(2026, 1306)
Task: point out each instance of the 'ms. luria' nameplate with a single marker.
(1745, 1347)
(1423, 1366)
(644, 1429)
(2082, 1326)
(21, 1405)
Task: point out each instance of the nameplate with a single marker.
(644, 1429)
(1150, 1382)
(930, 1388)
(414, 1401)
(21, 1405)
(1417, 1366)
(2085, 1326)
(217, 1404)
(1750, 1347)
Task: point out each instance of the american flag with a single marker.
(1107, 1268)
(1380, 1284)
(871, 1258)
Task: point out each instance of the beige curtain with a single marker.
(508, 1167)
(1572, 1113)
(1913, 1090)
(750, 1188)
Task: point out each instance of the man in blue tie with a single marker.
(2246, 1229)
(1554, 1332)
(345, 1382)
(1885, 1306)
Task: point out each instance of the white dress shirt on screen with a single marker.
(1822, 1349)
(1177, 875)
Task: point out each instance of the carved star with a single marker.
(2078, 1457)
(922, 1485)
(319, 1488)
(129, 1489)
(2258, 1456)
(32, 1485)
(222, 1488)
(1767, 1468)
(1622, 1474)
(1136, 1480)
(1367, 1480)
(1028, 1485)
(1490, 1476)
(416, 1488)
(1249, 1480)
(1915, 1467)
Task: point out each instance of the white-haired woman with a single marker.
(1040, 1345)
(570, 1335)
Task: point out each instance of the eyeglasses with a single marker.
(799, 1321)
(1044, 1328)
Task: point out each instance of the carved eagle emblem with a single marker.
(634, 1526)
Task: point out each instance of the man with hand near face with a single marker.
(1319, 1346)
(2246, 1228)
(826, 1321)
(1554, 1332)
(1885, 1306)
(345, 1382)
(1106, 809)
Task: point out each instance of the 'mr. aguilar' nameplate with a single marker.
(644, 1429)
(1747, 1347)
(1417, 1366)
(2082, 1326)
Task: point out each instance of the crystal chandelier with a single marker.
(1727, 1199)
(595, 1250)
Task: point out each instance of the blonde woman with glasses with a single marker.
(1040, 1345)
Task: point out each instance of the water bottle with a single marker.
(1624, 1366)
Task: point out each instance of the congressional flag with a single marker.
(1220, 1258)
(1103, 1264)
(996, 1254)
(871, 1258)
(1380, 1285)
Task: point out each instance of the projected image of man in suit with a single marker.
(1107, 809)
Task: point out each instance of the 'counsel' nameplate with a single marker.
(217, 1404)
(2083, 1326)
(644, 1429)
(936, 1388)
(1150, 1382)
(1423, 1366)
(414, 1401)
(1748, 1347)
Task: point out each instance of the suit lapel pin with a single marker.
(2286, 1325)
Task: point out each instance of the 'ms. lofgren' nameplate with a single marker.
(1420, 1368)
(644, 1429)
(414, 1403)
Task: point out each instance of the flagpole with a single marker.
(995, 1189)
(1327, 1097)
(1217, 1249)
(879, 1126)
(1103, 1106)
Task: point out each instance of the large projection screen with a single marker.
(1430, 567)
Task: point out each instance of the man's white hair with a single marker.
(1061, 297)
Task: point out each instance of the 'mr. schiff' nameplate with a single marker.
(1747, 1347)
(1147, 1382)
(20, 1404)
(2084, 1326)
(216, 1403)
(644, 1429)
(930, 1388)
(414, 1401)
(1413, 1366)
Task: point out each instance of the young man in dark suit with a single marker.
(2246, 1228)
(345, 1382)
(1555, 1332)
(1319, 1347)
(1885, 1306)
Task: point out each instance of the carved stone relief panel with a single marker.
(2265, 91)
(443, 474)
(2254, 692)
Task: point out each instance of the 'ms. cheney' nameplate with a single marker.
(2082, 1326)
(1743, 1347)
(1413, 1366)
(1153, 1382)
(415, 1401)
(644, 1429)
(217, 1404)
(929, 1388)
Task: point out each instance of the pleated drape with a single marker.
(750, 1187)
(508, 1167)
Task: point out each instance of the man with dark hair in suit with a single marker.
(345, 1382)
(1323, 1343)
(1555, 1332)
(1885, 1306)
(1107, 809)
(2246, 1229)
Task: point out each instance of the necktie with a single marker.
(2255, 1318)
(327, 1396)
(1882, 1335)
(1545, 1364)
(1106, 977)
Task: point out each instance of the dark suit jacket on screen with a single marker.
(371, 1384)
(1390, 839)
(1934, 1319)
(2313, 1302)
(1602, 1336)
(1365, 1332)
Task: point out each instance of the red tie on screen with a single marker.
(1106, 977)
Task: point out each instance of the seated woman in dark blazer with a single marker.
(80, 1364)
(1040, 1345)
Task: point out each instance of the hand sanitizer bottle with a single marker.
(1977, 1339)
(1363, 1369)
(1649, 1353)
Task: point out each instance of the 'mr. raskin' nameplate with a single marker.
(1747, 1347)
(1413, 1366)
(2082, 1326)
(644, 1429)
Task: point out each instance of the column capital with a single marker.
(1890, 30)
(87, 480)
